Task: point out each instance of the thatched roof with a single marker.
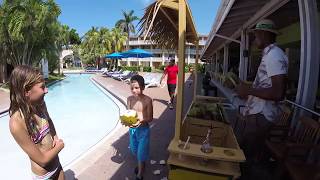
(161, 21)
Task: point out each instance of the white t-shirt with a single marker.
(274, 62)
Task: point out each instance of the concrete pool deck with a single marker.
(4, 100)
(117, 162)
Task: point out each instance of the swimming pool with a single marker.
(82, 113)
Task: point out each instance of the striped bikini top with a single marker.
(39, 129)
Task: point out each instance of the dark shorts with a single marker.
(171, 88)
(252, 137)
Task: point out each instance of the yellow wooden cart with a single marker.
(190, 162)
(170, 24)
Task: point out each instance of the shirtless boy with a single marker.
(140, 132)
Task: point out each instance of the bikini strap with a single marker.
(21, 114)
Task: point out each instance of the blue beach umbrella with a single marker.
(137, 53)
(114, 55)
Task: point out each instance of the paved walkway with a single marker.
(4, 101)
(117, 163)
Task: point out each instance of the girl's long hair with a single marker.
(22, 79)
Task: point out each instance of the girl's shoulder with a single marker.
(16, 122)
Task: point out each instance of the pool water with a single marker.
(82, 114)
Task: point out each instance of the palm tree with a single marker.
(118, 39)
(126, 24)
(91, 44)
(98, 42)
(105, 42)
(65, 35)
(28, 30)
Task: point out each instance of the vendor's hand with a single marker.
(242, 90)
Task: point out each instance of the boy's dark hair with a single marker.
(139, 79)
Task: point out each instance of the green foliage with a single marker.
(186, 68)
(147, 69)
(161, 67)
(126, 24)
(131, 68)
(98, 42)
(74, 37)
(136, 68)
(158, 71)
(53, 61)
(54, 77)
(200, 68)
(29, 30)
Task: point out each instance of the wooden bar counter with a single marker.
(223, 162)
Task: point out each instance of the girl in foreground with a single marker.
(30, 124)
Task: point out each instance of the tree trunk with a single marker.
(25, 53)
(128, 40)
(30, 55)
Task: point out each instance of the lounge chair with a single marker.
(153, 80)
(109, 74)
(104, 70)
(124, 73)
(147, 77)
(126, 78)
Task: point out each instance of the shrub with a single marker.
(131, 68)
(147, 69)
(161, 67)
(200, 68)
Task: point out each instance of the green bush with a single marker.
(53, 64)
(161, 67)
(147, 69)
(158, 71)
(186, 68)
(200, 68)
(131, 68)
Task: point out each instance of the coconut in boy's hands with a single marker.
(129, 118)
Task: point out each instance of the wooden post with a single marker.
(195, 72)
(216, 68)
(181, 63)
(243, 66)
(226, 59)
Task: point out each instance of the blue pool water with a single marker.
(82, 115)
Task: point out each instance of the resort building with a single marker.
(159, 55)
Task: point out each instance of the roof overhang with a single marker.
(161, 20)
(234, 16)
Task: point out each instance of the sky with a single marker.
(83, 14)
